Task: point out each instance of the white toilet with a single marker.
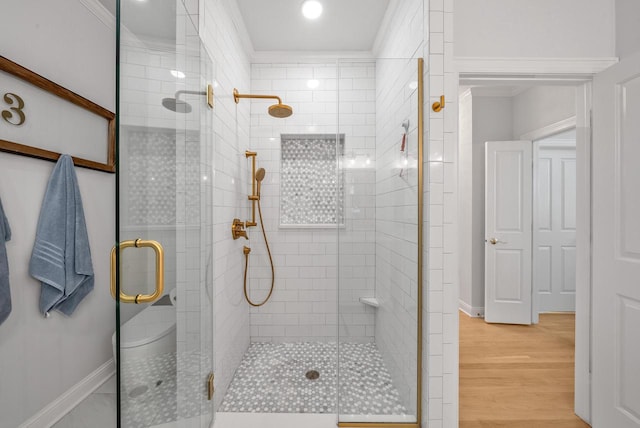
(150, 332)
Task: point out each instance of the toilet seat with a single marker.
(148, 326)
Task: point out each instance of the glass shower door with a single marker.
(163, 340)
(379, 247)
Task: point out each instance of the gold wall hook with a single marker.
(437, 106)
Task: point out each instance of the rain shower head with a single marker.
(280, 110)
(177, 105)
(277, 110)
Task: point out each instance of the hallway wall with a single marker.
(495, 118)
(543, 28)
(40, 358)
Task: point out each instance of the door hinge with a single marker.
(210, 388)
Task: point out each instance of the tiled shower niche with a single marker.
(311, 194)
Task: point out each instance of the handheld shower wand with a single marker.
(258, 177)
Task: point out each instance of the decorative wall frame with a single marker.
(13, 113)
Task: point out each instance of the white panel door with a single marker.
(616, 246)
(508, 191)
(554, 257)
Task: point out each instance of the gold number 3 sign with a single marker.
(10, 99)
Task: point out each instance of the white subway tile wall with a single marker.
(396, 222)
(303, 306)
(221, 31)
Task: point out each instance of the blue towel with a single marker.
(61, 257)
(5, 293)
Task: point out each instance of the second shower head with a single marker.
(278, 110)
(260, 173)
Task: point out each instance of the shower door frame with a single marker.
(421, 131)
(203, 346)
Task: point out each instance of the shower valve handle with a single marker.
(237, 229)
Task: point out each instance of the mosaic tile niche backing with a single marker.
(154, 176)
(310, 192)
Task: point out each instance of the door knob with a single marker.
(494, 241)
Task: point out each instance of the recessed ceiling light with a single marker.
(313, 83)
(311, 9)
(178, 74)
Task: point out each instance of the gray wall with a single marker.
(40, 358)
(494, 118)
(542, 28)
(627, 28)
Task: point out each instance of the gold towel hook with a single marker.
(437, 106)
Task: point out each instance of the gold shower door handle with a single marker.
(140, 298)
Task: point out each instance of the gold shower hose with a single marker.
(246, 266)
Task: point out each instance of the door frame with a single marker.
(513, 74)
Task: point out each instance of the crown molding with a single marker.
(100, 12)
(532, 66)
(265, 57)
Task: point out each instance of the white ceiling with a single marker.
(274, 25)
(153, 20)
(345, 25)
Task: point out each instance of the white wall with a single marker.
(491, 120)
(220, 33)
(303, 304)
(543, 28)
(465, 204)
(627, 28)
(41, 358)
(402, 37)
(441, 311)
(396, 223)
(541, 106)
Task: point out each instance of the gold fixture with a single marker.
(140, 298)
(437, 106)
(420, 266)
(210, 95)
(277, 110)
(237, 229)
(421, 131)
(253, 197)
(493, 241)
(210, 388)
(256, 180)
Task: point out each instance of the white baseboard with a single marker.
(472, 311)
(62, 405)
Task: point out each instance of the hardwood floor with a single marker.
(517, 376)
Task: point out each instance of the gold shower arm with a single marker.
(237, 96)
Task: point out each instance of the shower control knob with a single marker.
(237, 229)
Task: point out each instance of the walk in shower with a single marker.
(340, 204)
(334, 265)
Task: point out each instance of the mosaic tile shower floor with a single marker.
(272, 379)
(155, 394)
